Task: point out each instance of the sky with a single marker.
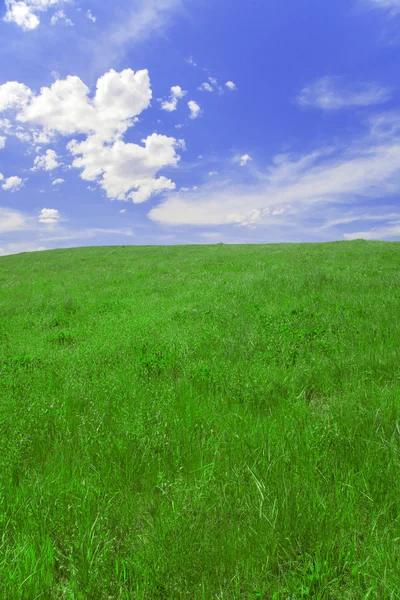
(170, 122)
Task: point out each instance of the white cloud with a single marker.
(66, 108)
(49, 216)
(190, 61)
(1, 176)
(213, 173)
(206, 87)
(195, 110)
(5, 125)
(211, 86)
(243, 160)
(33, 136)
(2, 142)
(60, 17)
(47, 161)
(177, 93)
(20, 14)
(231, 86)
(125, 168)
(331, 93)
(12, 184)
(14, 95)
(58, 181)
(91, 17)
(124, 171)
(23, 12)
(299, 190)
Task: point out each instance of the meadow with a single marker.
(201, 422)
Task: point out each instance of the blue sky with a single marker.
(158, 122)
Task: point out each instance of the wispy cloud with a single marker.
(139, 20)
(393, 6)
(297, 191)
(333, 93)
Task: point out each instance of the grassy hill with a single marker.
(201, 422)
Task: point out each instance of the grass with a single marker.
(201, 422)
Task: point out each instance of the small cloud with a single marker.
(60, 17)
(190, 61)
(58, 181)
(181, 144)
(122, 210)
(206, 87)
(332, 93)
(179, 126)
(243, 160)
(213, 173)
(231, 86)
(2, 142)
(176, 94)
(211, 86)
(195, 110)
(47, 161)
(91, 17)
(12, 184)
(50, 216)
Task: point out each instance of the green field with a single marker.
(201, 422)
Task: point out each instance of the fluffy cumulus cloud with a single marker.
(331, 93)
(177, 93)
(125, 171)
(24, 12)
(123, 167)
(49, 216)
(231, 86)
(47, 161)
(195, 110)
(12, 184)
(65, 107)
(14, 95)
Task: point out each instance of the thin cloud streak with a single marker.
(136, 24)
(333, 93)
(295, 189)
